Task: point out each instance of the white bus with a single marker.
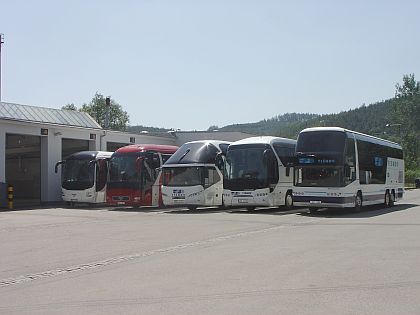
(257, 173)
(84, 177)
(335, 167)
(190, 177)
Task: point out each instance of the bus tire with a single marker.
(358, 202)
(288, 200)
(192, 208)
(250, 208)
(387, 199)
(391, 199)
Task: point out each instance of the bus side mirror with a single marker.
(57, 164)
(218, 161)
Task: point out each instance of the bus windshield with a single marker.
(318, 176)
(245, 168)
(78, 174)
(183, 176)
(122, 168)
(321, 141)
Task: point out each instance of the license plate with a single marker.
(243, 200)
(120, 203)
(315, 201)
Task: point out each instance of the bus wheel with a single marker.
(250, 208)
(358, 201)
(313, 210)
(389, 199)
(192, 208)
(288, 201)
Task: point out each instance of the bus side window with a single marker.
(101, 174)
(350, 162)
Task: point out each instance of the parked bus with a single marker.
(134, 175)
(190, 176)
(84, 177)
(336, 167)
(257, 173)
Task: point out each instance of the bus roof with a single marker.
(264, 140)
(216, 143)
(359, 135)
(84, 155)
(133, 148)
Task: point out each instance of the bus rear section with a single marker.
(258, 174)
(135, 176)
(339, 168)
(84, 177)
(191, 178)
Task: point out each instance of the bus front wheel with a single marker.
(288, 201)
(389, 199)
(358, 202)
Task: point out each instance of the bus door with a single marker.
(100, 180)
(150, 179)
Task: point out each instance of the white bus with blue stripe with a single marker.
(258, 174)
(340, 168)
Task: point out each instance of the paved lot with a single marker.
(174, 261)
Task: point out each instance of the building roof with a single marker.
(26, 113)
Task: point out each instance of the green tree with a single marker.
(407, 116)
(69, 107)
(409, 87)
(118, 118)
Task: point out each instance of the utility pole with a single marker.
(107, 110)
(1, 44)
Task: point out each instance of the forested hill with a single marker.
(370, 119)
(276, 125)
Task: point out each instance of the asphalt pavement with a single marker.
(209, 261)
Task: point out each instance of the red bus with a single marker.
(134, 175)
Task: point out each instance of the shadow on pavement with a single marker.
(367, 211)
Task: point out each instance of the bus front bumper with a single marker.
(323, 202)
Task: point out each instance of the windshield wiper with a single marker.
(184, 155)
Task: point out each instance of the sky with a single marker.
(192, 64)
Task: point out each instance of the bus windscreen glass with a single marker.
(321, 141)
(122, 168)
(78, 174)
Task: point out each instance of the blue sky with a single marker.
(192, 64)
